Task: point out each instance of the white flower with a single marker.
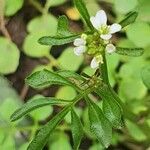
(80, 44)
(110, 48)
(95, 61)
(100, 23)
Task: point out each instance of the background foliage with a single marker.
(23, 55)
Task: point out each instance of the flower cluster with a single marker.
(99, 41)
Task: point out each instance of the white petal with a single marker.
(79, 42)
(94, 64)
(110, 48)
(79, 50)
(115, 28)
(106, 36)
(99, 20)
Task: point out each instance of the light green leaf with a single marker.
(42, 135)
(53, 3)
(49, 40)
(77, 129)
(34, 103)
(12, 6)
(66, 59)
(130, 51)
(135, 131)
(100, 126)
(125, 6)
(129, 18)
(33, 48)
(146, 76)
(66, 92)
(111, 108)
(45, 78)
(9, 56)
(63, 27)
(46, 24)
(83, 12)
(60, 141)
(139, 34)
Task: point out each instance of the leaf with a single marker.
(77, 129)
(125, 6)
(129, 18)
(111, 108)
(53, 3)
(135, 131)
(67, 57)
(130, 51)
(63, 27)
(146, 76)
(45, 78)
(12, 6)
(99, 124)
(33, 104)
(139, 33)
(56, 40)
(42, 135)
(84, 12)
(9, 56)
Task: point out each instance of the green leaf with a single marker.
(12, 6)
(42, 135)
(125, 6)
(135, 131)
(77, 129)
(63, 27)
(56, 40)
(139, 33)
(111, 108)
(45, 78)
(53, 3)
(84, 12)
(66, 59)
(130, 51)
(146, 76)
(100, 126)
(129, 18)
(33, 104)
(66, 92)
(9, 56)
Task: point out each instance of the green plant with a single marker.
(102, 121)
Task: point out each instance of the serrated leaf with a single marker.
(111, 108)
(56, 40)
(9, 56)
(130, 51)
(84, 12)
(77, 129)
(42, 135)
(63, 27)
(146, 76)
(45, 78)
(99, 124)
(33, 104)
(129, 18)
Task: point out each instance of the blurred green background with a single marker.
(23, 22)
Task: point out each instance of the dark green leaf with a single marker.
(146, 76)
(111, 108)
(63, 27)
(45, 78)
(56, 40)
(100, 126)
(77, 129)
(42, 135)
(33, 104)
(130, 18)
(130, 51)
(84, 12)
